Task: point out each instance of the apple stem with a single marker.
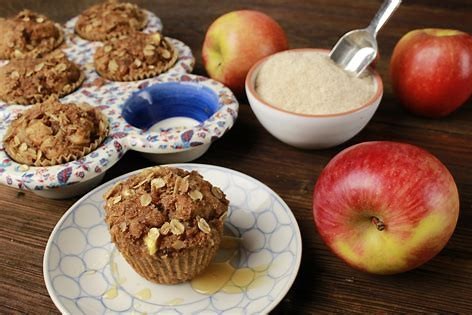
(378, 223)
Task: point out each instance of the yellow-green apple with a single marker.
(385, 207)
(237, 40)
(431, 71)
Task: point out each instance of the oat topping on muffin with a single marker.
(110, 19)
(154, 221)
(31, 81)
(28, 34)
(161, 197)
(54, 133)
(135, 57)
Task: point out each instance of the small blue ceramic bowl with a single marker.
(164, 101)
(177, 120)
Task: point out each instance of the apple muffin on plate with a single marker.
(30, 81)
(29, 34)
(135, 57)
(53, 133)
(166, 222)
(110, 19)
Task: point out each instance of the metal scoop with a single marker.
(358, 48)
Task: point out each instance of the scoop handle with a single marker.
(382, 15)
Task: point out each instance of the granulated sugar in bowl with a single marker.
(302, 98)
(311, 83)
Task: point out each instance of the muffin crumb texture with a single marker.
(166, 222)
(311, 83)
(28, 34)
(52, 133)
(110, 19)
(30, 81)
(135, 57)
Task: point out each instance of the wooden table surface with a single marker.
(324, 283)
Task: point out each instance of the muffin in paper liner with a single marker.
(31, 81)
(178, 267)
(29, 35)
(59, 181)
(110, 19)
(135, 57)
(166, 222)
(53, 133)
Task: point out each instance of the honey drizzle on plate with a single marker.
(219, 275)
(222, 275)
(176, 301)
(144, 294)
(111, 293)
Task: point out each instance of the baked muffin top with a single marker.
(31, 81)
(180, 206)
(134, 57)
(54, 133)
(110, 19)
(28, 34)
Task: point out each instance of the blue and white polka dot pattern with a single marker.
(109, 97)
(82, 267)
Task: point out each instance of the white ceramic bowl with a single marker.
(310, 131)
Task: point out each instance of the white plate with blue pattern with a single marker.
(84, 273)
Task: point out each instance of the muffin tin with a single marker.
(209, 107)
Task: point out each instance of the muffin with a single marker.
(28, 34)
(135, 57)
(31, 81)
(52, 133)
(110, 19)
(166, 222)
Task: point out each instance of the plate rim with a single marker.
(268, 308)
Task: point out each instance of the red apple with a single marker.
(237, 40)
(431, 71)
(385, 207)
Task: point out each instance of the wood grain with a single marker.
(324, 284)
